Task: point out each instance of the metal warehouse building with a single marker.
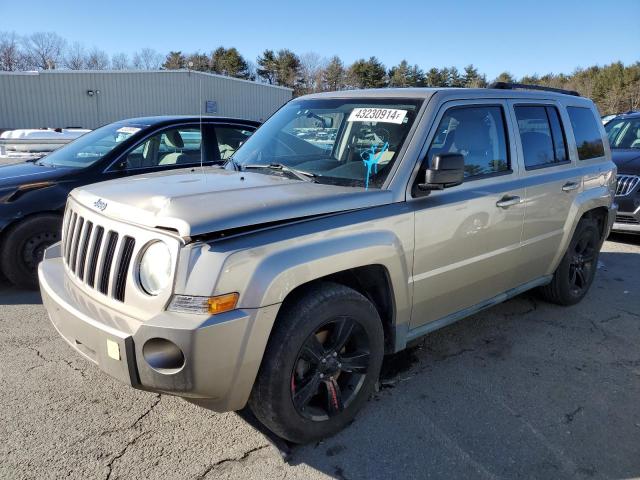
(78, 98)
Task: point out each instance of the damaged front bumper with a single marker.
(209, 360)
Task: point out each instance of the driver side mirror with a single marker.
(447, 170)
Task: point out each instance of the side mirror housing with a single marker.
(446, 170)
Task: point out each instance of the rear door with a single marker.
(467, 238)
(551, 181)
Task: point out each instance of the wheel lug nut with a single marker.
(324, 360)
(322, 375)
(339, 365)
(335, 354)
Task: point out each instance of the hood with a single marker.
(200, 201)
(17, 174)
(627, 160)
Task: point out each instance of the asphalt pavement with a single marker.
(523, 390)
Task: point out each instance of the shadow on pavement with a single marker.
(525, 389)
(10, 295)
(629, 239)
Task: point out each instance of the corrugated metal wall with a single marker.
(60, 99)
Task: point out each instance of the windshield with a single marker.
(90, 147)
(352, 142)
(624, 133)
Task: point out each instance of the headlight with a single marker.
(155, 268)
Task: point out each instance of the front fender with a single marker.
(266, 275)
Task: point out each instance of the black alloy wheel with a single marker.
(330, 369)
(321, 363)
(577, 269)
(582, 262)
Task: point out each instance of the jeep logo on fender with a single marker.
(100, 205)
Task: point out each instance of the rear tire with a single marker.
(321, 364)
(23, 248)
(577, 269)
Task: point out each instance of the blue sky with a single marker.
(520, 37)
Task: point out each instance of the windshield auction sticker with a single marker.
(388, 115)
(129, 130)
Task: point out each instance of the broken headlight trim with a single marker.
(203, 305)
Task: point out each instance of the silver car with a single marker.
(281, 279)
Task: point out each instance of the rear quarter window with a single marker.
(586, 132)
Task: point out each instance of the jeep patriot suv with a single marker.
(348, 225)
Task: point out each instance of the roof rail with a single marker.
(524, 86)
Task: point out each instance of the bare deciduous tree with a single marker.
(147, 59)
(75, 57)
(44, 50)
(97, 59)
(311, 67)
(11, 57)
(120, 61)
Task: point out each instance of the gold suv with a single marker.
(349, 224)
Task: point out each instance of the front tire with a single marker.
(23, 248)
(321, 364)
(577, 269)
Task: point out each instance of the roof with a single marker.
(427, 92)
(155, 120)
(628, 115)
(145, 72)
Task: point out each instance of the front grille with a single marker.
(626, 184)
(628, 219)
(97, 256)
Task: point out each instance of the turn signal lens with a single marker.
(223, 303)
(203, 305)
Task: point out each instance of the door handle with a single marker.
(508, 201)
(569, 186)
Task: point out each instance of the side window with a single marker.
(541, 135)
(229, 140)
(478, 133)
(586, 132)
(176, 146)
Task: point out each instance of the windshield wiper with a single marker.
(299, 174)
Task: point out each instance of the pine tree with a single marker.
(333, 76)
(367, 73)
(174, 61)
(229, 62)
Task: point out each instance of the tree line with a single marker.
(614, 87)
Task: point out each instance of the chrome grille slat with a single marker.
(69, 237)
(72, 236)
(76, 241)
(65, 227)
(128, 245)
(629, 219)
(82, 259)
(95, 253)
(626, 184)
(107, 262)
(115, 265)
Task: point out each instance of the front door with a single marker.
(467, 238)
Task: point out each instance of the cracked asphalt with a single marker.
(525, 389)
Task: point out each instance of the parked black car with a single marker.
(33, 194)
(624, 138)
